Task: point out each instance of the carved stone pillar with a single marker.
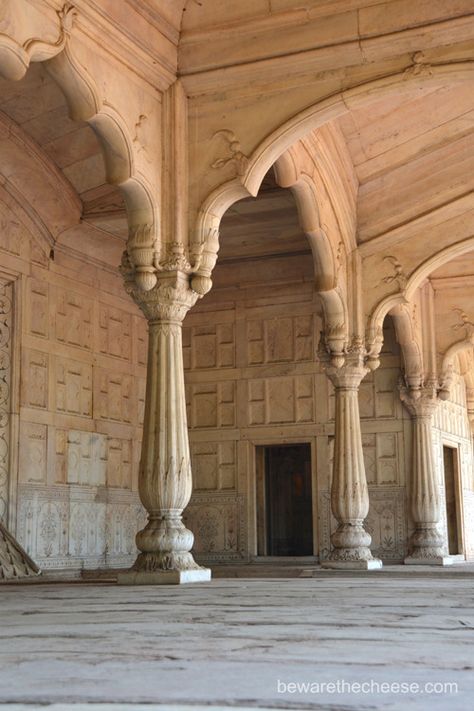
(427, 545)
(349, 492)
(165, 481)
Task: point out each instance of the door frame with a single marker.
(458, 493)
(256, 480)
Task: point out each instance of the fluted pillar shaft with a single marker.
(426, 544)
(165, 480)
(349, 492)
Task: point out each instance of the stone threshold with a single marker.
(263, 570)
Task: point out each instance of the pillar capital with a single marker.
(349, 376)
(169, 300)
(422, 401)
(347, 369)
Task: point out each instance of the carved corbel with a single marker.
(141, 249)
(204, 257)
(374, 346)
(333, 344)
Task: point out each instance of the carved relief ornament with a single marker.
(236, 157)
(399, 277)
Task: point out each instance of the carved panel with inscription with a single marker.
(113, 394)
(115, 332)
(281, 400)
(33, 452)
(86, 458)
(209, 346)
(211, 404)
(73, 387)
(214, 465)
(73, 321)
(38, 308)
(119, 462)
(34, 383)
(280, 340)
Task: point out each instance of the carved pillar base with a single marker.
(351, 548)
(165, 559)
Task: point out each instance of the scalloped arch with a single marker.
(86, 104)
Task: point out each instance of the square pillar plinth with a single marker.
(374, 564)
(438, 560)
(164, 577)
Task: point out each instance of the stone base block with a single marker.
(438, 560)
(373, 564)
(164, 577)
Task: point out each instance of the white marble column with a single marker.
(349, 492)
(165, 480)
(427, 545)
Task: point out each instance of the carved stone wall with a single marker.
(253, 379)
(6, 328)
(80, 348)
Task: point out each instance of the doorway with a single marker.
(285, 506)
(452, 493)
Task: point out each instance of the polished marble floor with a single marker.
(240, 643)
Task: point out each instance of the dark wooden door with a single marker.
(449, 455)
(289, 508)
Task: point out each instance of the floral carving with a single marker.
(464, 323)
(236, 157)
(399, 277)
